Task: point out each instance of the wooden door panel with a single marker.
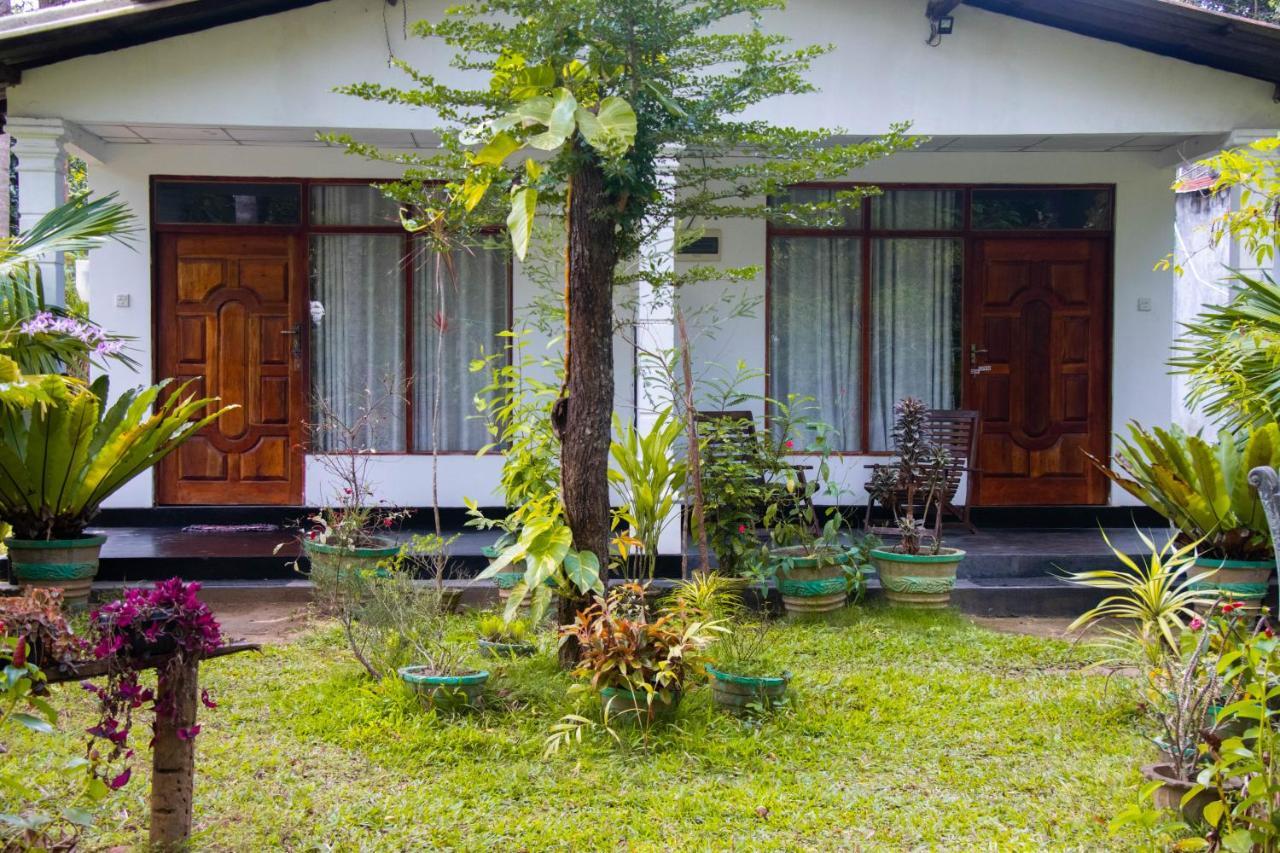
(227, 309)
(1038, 323)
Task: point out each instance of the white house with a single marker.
(1009, 267)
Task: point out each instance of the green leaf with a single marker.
(496, 150)
(1240, 841)
(32, 722)
(473, 190)
(524, 202)
(582, 568)
(80, 817)
(611, 130)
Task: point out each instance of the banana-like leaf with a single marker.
(524, 204)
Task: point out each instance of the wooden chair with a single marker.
(957, 431)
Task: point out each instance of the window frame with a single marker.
(304, 229)
(966, 234)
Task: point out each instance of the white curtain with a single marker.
(461, 313)
(815, 314)
(357, 359)
(915, 331)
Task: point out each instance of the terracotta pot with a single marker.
(1245, 581)
(1171, 791)
(811, 583)
(66, 564)
(917, 580)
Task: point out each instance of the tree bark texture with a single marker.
(587, 411)
(173, 758)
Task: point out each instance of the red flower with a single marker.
(742, 528)
(20, 653)
(1268, 633)
(790, 444)
(312, 534)
(387, 522)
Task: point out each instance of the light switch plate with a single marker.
(122, 300)
(1144, 303)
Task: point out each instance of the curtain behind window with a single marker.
(464, 312)
(815, 304)
(358, 345)
(915, 333)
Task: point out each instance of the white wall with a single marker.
(1140, 388)
(993, 75)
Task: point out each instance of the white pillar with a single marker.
(39, 144)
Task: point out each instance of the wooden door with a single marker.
(1039, 333)
(229, 315)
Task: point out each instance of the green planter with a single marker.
(330, 565)
(66, 564)
(917, 580)
(633, 706)
(490, 649)
(1245, 581)
(742, 694)
(446, 692)
(814, 583)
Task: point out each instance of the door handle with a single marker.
(974, 351)
(980, 369)
(296, 333)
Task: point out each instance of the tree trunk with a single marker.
(584, 422)
(174, 758)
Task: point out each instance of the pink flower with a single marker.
(790, 444)
(742, 528)
(121, 780)
(387, 522)
(1196, 624)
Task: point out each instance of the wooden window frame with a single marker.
(304, 229)
(966, 234)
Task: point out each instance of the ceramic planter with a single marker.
(329, 563)
(1171, 791)
(446, 692)
(634, 706)
(742, 694)
(67, 564)
(1245, 581)
(491, 649)
(811, 583)
(917, 580)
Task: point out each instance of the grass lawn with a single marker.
(907, 730)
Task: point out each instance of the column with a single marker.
(39, 144)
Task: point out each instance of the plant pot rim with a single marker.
(750, 680)
(388, 550)
(642, 693)
(85, 541)
(503, 646)
(1219, 563)
(418, 675)
(948, 555)
(1162, 771)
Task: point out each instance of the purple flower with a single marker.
(189, 733)
(120, 781)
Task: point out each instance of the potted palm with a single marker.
(1203, 490)
(918, 571)
(62, 458)
(500, 638)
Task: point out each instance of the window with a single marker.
(385, 324)
(224, 203)
(865, 313)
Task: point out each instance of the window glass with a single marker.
(921, 210)
(849, 217)
(815, 345)
(1049, 209)
(352, 204)
(460, 306)
(220, 203)
(357, 311)
(916, 300)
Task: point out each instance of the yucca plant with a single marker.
(1202, 488)
(61, 459)
(647, 473)
(1153, 599)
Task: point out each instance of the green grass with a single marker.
(907, 730)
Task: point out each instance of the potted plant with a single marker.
(649, 476)
(1203, 490)
(500, 638)
(36, 619)
(61, 459)
(441, 679)
(744, 678)
(640, 663)
(918, 571)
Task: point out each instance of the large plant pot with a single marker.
(742, 694)
(1245, 581)
(331, 565)
(917, 580)
(1171, 791)
(633, 706)
(813, 583)
(446, 692)
(67, 564)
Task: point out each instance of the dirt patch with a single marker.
(1051, 627)
(268, 615)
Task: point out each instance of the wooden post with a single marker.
(174, 758)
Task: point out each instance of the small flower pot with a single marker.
(1171, 791)
(66, 564)
(633, 706)
(1245, 581)
(491, 649)
(922, 581)
(811, 583)
(446, 692)
(743, 694)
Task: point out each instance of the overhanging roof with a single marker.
(1167, 27)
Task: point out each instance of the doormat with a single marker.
(231, 528)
